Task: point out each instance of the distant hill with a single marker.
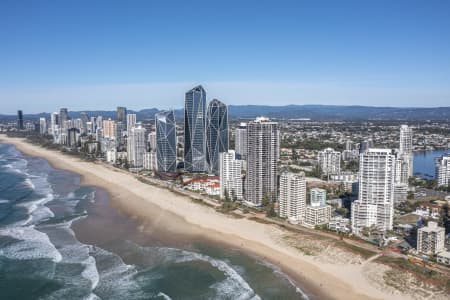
(313, 112)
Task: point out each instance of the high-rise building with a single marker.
(166, 141)
(318, 197)
(365, 145)
(406, 149)
(374, 206)
(263, 146)
(152, 140)
(240, 141)
(329, 161)
(443, 170)
(431, 239)
(216, 134)
(292, 199)
(20, 120)
(136, 147)
(63, 117)
(121, 114)
(131, 123)
(109, 129)
(194, 130)
(54, 122)
(150, 161)
(42, 126)
(230, 176)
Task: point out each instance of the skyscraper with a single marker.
(121, 114)
(406, 148)
(136, 147)
(194, 130)
(54, 122)
(292, 198)
(374, 206)
(240, 141)
(263, 146)
(216, 134)
(131, 122)
(230, 176)
(42, 126)
(166, 141)
(63, 117)
(19, 120)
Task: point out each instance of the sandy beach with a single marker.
(157, 206)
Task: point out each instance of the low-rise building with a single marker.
(317, 215)
(339, 224)
(443, 258)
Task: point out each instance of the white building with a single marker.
(111, 156)
(42, 126)
(329, 161)
(406, 149)
(263, 147)
(136, 147)
(374, 206)
(54, 122)
(150, 162)
(240, 141)
(318, 197)
(109, 129)
(430, 239)
(443, 170)
(292, 199)
(152, 140)
(317, 215)
(339, 224)
(230, 175)
(131, 123)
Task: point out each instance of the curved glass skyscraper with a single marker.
(166, 141)
(216, 133)
(194, 130)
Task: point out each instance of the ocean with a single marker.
(61, 240)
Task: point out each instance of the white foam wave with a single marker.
(3, 201)
(32, 244)
(161, 294)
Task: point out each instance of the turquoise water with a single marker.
(424, 162)
(60, 240)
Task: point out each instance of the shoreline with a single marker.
(156, 206)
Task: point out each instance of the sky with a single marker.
(88, 55)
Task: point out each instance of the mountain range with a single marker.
(313, 112)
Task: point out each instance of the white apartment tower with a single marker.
(406, 149)
(292, 199)
(230, 175)
(329, 161)
(376, 191)
(136, 147)
(263, 146)
(131, 123)
(443, 170)
(318, 197)
(42, 126)
(430, 239)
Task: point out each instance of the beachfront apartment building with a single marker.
(329, 161)
(292, 198)
(166, 141)
(263, 147)
(431, 239)
(216, 134)
(374, 207)
(240, 141)
(195, 130)
(443, 170)
(230, 176)
(136, 147)
(317, 215)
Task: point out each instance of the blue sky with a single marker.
(142, 54)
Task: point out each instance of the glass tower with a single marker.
(194, 130)
(216, 134)
(166, 141)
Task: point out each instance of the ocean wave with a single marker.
(233, 286)
(31, 244)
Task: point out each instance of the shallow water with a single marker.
(60, 240)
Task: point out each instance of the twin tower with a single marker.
(205, 132)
